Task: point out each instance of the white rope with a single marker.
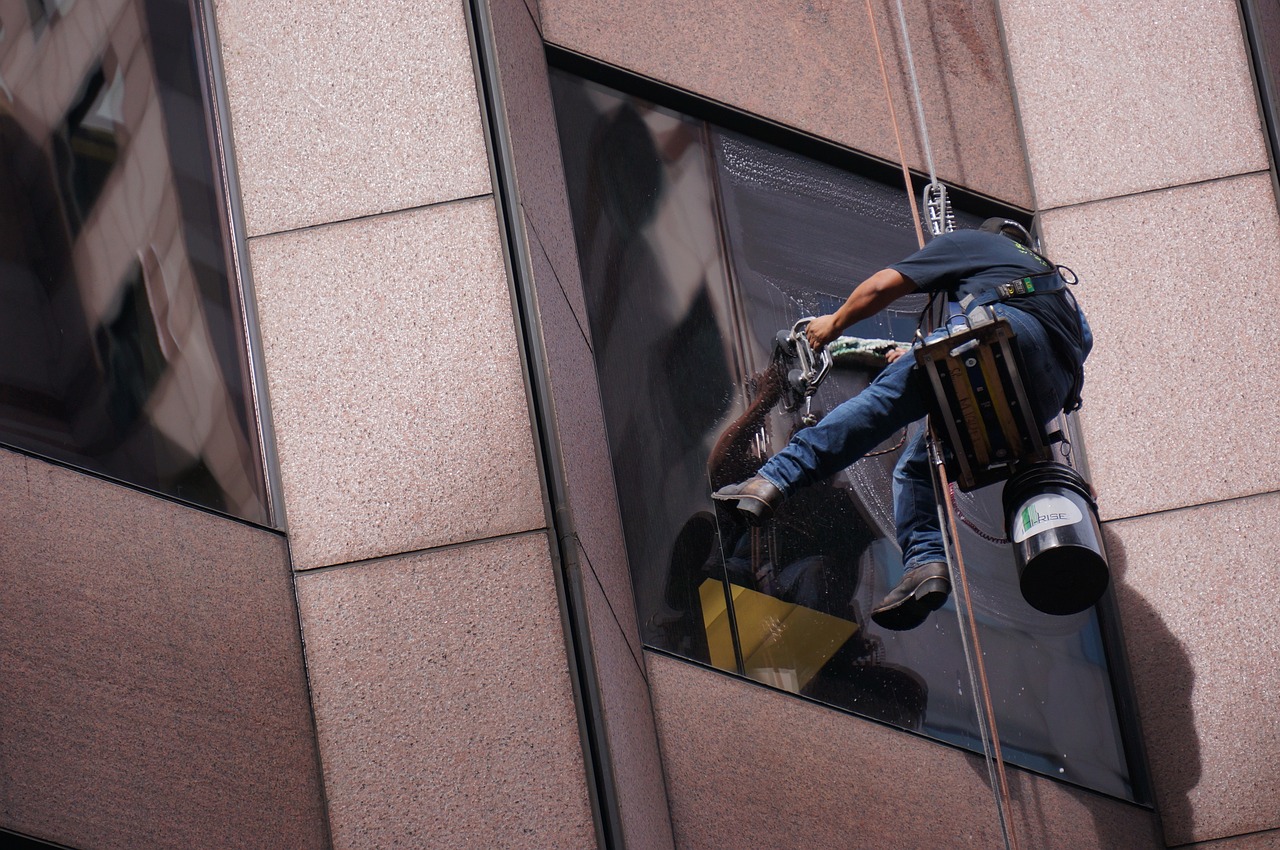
(915, 91)
(934, 197)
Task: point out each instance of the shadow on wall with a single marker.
(1163, 680)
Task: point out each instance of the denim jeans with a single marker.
(895, 399)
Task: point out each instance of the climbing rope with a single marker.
(893, 119)
(974, 659)
(941, 219)
(934, 197)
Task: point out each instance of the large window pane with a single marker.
(1262, 26)
(698, 246)
(122, 341)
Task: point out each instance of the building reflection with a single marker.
(122, 345)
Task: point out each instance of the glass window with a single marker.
(1262, 25)
(122, 338)
(698, 245)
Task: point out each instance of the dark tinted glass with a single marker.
(1262, 23)
(122, 341)
(698, 246)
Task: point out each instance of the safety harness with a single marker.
(1057, 279)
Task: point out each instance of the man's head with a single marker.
(1008, 227)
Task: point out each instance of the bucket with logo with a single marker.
(1052, 522)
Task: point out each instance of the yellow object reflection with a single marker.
(783, 645)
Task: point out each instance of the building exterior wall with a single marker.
(154, 692)
(1141, 131)
(427, 415)
(440, 678)
(152, 685)
(1151, 172)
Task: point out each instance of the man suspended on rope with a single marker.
(1053, 339)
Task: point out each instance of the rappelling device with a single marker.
(937, 206)
(988, 432)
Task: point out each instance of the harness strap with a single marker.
(1020, 287)
(1026, 287)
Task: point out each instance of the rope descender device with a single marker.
(938, 210)
(811, 368)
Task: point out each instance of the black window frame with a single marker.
(825, 151)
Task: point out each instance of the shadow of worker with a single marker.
(1161, 677)
(1152, 684)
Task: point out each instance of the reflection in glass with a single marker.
(122, 348)
(698, 246)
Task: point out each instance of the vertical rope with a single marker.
(972, 646)
(915, 90)
(978, 667)
(897, 132)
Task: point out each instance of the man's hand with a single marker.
(822, 330)
(894, 353)
(868, 298)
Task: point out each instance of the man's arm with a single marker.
(868, 298)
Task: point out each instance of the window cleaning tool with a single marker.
(811, 368)
(1052, 522)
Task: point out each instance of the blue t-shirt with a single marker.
(970, 262)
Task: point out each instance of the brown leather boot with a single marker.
(923, 589)
(756, 498)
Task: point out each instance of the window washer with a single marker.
(973, 267)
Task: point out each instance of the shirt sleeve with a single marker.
(937, 266)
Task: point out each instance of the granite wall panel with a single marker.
(1269, 840)
(751, 767)
(1200, 623)
(152, 691)
(443, 701)
(343, 110)
(628, 711)
(814, 66)
(1124, 97)
(1181, 382)
(535, 152)
(396, 384)
(584, 448)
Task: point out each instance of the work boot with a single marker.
(923, 589)
(756, 498)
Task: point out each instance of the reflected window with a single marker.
(698, 245)
(122, 341)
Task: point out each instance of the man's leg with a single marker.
(852, 429)
(915, 505)
(925, 583)
(892, 401)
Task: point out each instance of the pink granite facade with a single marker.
(439, 646)
(154, 689)
(815, 66)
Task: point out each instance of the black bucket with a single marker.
(1052, 522)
